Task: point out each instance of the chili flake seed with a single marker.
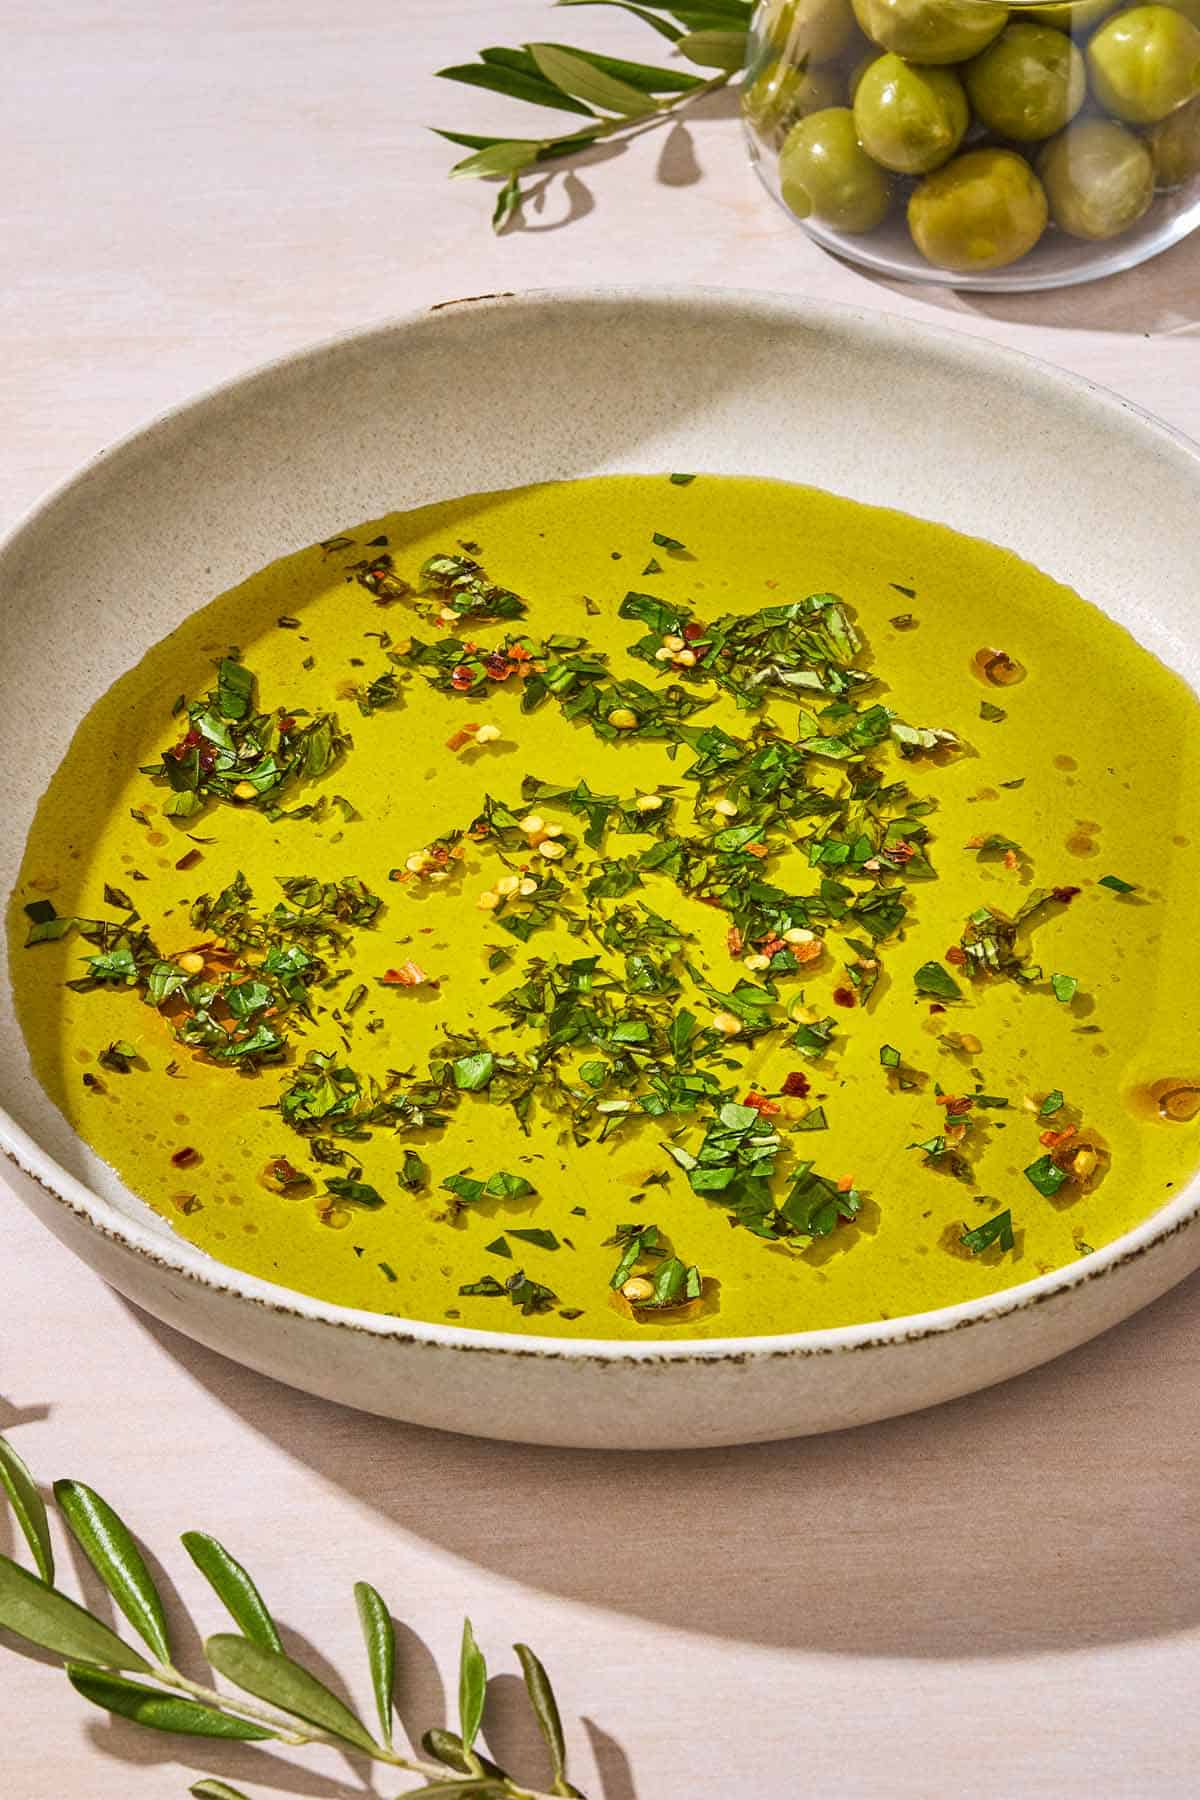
(726, 808)
(727, 1023)
(551, 851)
(508, 884)
(191, 962)
(528, 886)
(623, 718)
(244, 790)
(488, 902)
(487, 734)
(757, 963)
(648, 802)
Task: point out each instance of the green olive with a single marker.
(981, 211)
(1144, 63)
(931, 31)
(815, 31)
(908, 118)
(1099, 179)
(825, 174)
(1175, 146)
(1029, 84)
(1074, 18)
(1189, 8)
(783, 93)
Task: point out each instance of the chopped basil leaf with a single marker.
(1116, 884)
(997, 1230)
(932, 978)
(1046, 1176)
(1065, 987)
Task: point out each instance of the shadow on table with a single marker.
(1056, 1511)
(1160, 298)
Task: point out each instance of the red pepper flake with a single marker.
(956, 955)
(497, 666)
(761, 1104)
(900, 853)
(756, 849)
(935, 1006)
(188, 860)
(398, 874)
(734, 942)
(1064, 895)
(843, 996)
(287, 724)
(411, 974)
(462, 678)
(184, 1159)
(283, 1170)
(955, 1105)
(693, 630)
(845, 1184)
(1052, 1140)
(796, 1085)
(462, 737)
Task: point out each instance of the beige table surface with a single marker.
(1001, 1598)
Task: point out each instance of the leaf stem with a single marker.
(291, 1730)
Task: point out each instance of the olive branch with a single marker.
(613, 95)
(278, 1698)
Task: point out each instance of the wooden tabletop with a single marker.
(997, 1599)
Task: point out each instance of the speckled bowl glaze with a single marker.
(516, 388)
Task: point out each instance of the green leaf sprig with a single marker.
(610, 95)
(277, 1698)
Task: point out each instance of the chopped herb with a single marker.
(545, 1240)
(667, 543)
(1046, 1176)
(995, 715)
(499, 1247)
(997, 1230)
(1116, 884)
(682, 480)
(118, 1056)
(909, 593)
(889, 1056)
(813, 1120)
(355, 1193)
(387, 1269)
(529, 1295)
(1065, 987)
(414, 1175)
(1051, 1104)
(932, 978)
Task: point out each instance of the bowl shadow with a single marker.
(1054, 1512)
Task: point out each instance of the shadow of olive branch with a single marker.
(283, 1689)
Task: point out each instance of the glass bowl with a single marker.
(997, 150)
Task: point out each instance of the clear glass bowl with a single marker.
(972, 79)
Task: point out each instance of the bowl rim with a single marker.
(163, 1250)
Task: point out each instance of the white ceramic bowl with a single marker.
(492, 393)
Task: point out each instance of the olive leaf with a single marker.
(545, 1709)
(516, 84)
(209, 1788)
(380, 1638)
(232, 1585)
(272, 1676)
(108, 1545)
(581, 79)
(447, 1746)
(664, 27)
(714, 49)
(161, 1712)
(472, 1686)
(649, 77)
(28, 1507)
(506, 158)
(41, 1615)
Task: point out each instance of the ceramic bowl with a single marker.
(510, 389)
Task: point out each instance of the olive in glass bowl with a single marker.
(961, 142)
